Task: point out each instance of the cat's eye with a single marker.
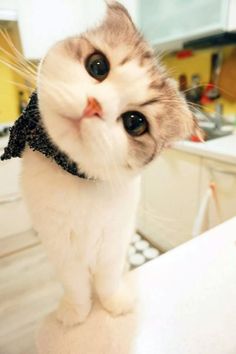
(135, 123)
(97, 66)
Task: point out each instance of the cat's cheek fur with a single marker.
(85, 228)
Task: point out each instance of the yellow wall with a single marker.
(199, 63)
(9, 92)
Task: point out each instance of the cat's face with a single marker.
(106, 102)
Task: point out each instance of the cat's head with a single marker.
(107, 102)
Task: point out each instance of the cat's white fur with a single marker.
(86, 225)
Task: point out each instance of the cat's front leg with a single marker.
(120, 301)
(72, 273)
(114, 292)
(76, 302)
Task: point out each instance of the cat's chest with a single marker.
(100, 203)
(102, 215)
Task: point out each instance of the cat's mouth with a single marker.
(79, 119)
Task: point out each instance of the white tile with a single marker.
(136, 259)
(151, 253)
(135, 238)
(141, 245)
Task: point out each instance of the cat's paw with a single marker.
(120, 303)
(72, 314)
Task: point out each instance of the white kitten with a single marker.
(107, 104)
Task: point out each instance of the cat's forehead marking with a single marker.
(143, 56)
(146, 56)
(78, 47)
(149, 102)
(126, 59)
(72, 49)
(157, 84)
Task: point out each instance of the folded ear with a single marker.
(197, 131)
(118, 18)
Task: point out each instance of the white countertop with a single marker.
(223, 149)
(186, 305)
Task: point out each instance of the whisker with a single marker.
(17, 70)
(8, 40)
(21, 85)
(15, 60)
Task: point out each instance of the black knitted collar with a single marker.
(28, 130)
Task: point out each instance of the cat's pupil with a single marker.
(135, 123)
(97, 66)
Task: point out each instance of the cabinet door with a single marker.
(42, 23)
(232, 16)
(224, 176)
(170, 196)
(165, 21)
(8, 10)
(8, 4)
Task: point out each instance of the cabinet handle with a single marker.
(211, 193)
(11, 198)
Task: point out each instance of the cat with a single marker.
(107, 102)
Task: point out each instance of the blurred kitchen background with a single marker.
(189, 189)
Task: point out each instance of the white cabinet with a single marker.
(43, 22)
(170, 198)
(224, 177)
(175, 21)
(232, 16)
(8, 10)
(173, 190)
(8, 4)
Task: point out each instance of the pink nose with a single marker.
(93, 108)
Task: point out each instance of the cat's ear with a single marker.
(118, 18)
(197, 132)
